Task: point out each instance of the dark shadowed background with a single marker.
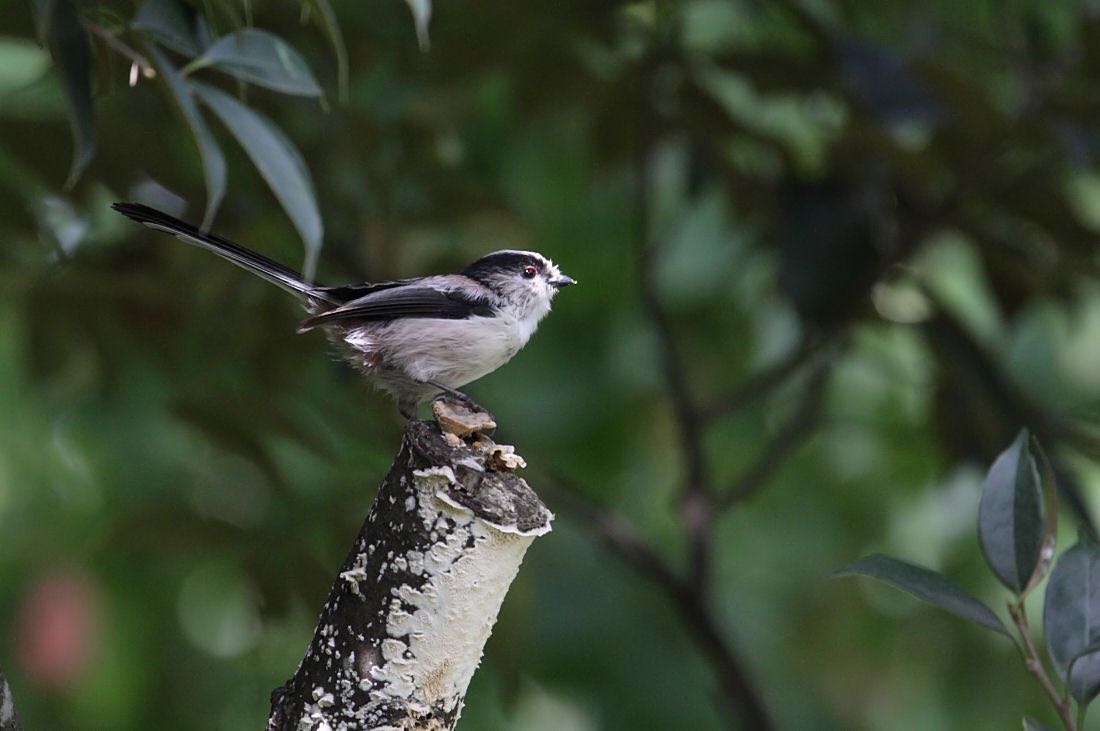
(832, 256)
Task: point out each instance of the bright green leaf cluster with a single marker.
(58, 26)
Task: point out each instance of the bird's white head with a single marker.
(525, 279)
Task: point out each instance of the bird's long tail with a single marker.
(252, 261)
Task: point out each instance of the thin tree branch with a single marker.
(758, 385)
(740, 695)
(112, 40)
(687, 415)
(738, 689)
(696, 503)
(796, 430)
(1035, 666)
(697, 508)
(614, 530)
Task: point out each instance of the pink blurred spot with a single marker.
(57, 625)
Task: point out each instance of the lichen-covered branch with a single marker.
(406, 620)
(9, 719)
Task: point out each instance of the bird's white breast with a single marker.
(455, 353)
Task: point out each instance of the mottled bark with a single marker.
(406, 620)
(9, 719)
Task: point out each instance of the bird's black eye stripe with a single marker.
(507, 263)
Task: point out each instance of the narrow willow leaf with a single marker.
(261, 58)
(1030, 724)
(1010, 516)
(165, 22)
(279, 163)
(60, 223)
(928, 585)
(1071, 617)
(42, 10)
(422, 16)
(326, 18)
(69, 43)
(203, 34)
(213, 161)
(227, 9)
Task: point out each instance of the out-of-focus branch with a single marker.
(9, 719)
(696, 508)
(739, 695)
(1010, 405)
(614, 530)
(140, 62)
(1035, 666)
(796, 430)
(762, 383)
(689, 592)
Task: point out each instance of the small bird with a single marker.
(415, 338)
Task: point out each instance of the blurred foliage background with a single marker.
(832, 256)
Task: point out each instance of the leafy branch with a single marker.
(1017, 519)
(165, 39)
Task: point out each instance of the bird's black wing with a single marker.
(409, 300)
(345, 293)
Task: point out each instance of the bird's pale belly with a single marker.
(460, 351)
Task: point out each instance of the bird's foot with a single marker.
(454, 394)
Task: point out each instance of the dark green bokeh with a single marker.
(915, 187)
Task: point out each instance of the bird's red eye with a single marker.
(530, 271)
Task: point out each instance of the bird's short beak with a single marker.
(562, 281)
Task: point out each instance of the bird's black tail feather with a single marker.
(245, 258)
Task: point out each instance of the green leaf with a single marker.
(42, 10)
(1050, 516)
(22, 62)
(60, 224)
(928, 585)
(222, 13)
(165, 22)
(327, 20)
(422, 16)
(1031, 724)
(213, 162)
(1071, 617)
(1092, 649)
(1010, 516)
(69, 44)
(259, 57)
(278, 161)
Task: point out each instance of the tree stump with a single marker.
(408, 615)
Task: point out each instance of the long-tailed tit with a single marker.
(416, 337)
